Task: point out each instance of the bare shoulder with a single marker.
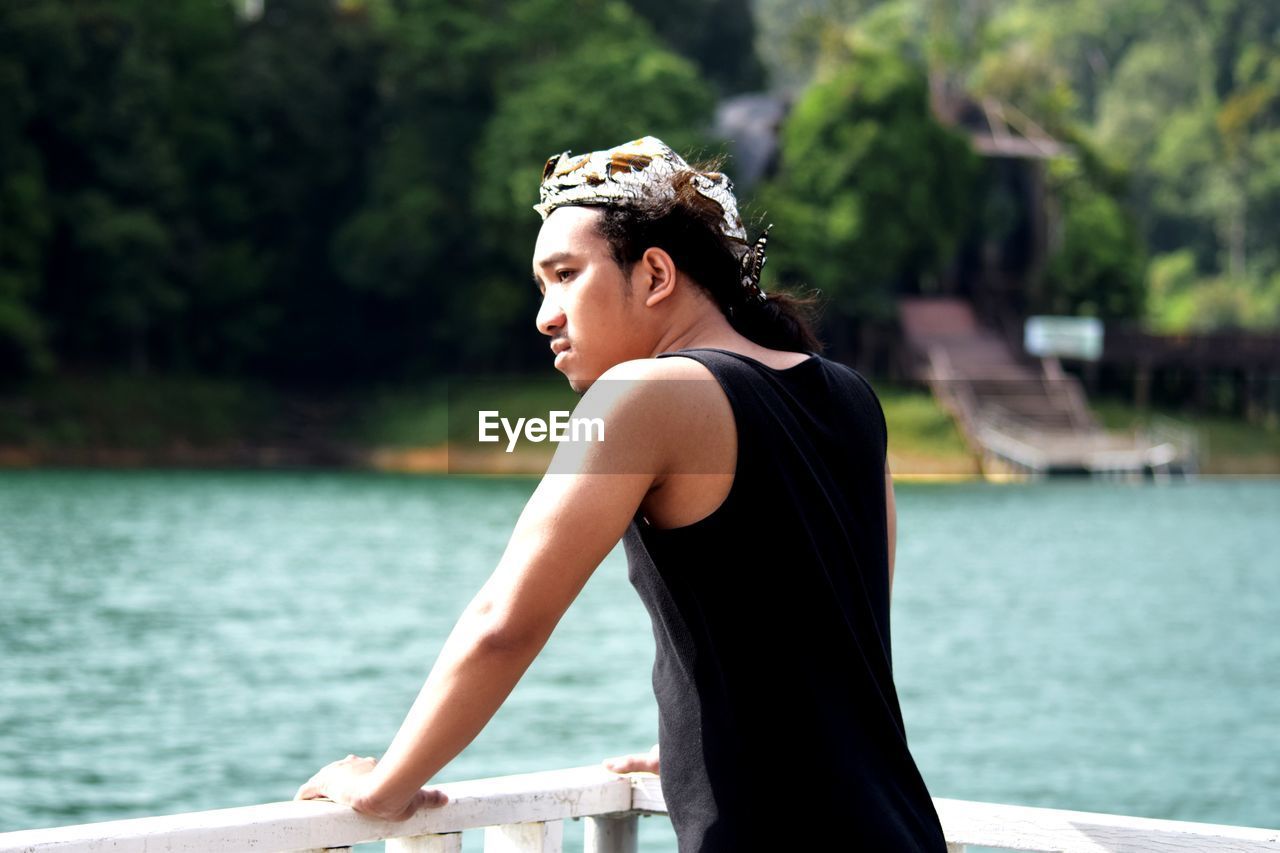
(655, 410)
(672, 367)
(654, 383)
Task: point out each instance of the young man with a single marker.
(747, 477)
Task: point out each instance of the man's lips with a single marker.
(558, 349)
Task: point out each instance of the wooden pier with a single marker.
(526, 814)
(1026, 416)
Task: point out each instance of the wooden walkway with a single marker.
(1024, 415)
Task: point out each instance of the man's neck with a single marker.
(706, 330)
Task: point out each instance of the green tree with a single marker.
(124, 143)
(30, 35)
(113, 177)
(1056, 58)
(1195, 108)
(1097, 267)
(872, 196)
(599, 95)
(793, 34)
(306, 101)
(718, 35)
(475, 101)
(409, 243)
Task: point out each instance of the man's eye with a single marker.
(563, 275)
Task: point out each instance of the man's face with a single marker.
(588, 310)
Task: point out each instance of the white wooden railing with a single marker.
(523, 814)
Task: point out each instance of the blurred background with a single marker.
(241, 236)
(260, 231)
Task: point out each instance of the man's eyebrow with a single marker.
(549, 261)
(555, 258)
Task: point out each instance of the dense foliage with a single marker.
(1180, 98)
(327, 192)
(338, 190)
(872, 194)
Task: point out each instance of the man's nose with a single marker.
(550, 318)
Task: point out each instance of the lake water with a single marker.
(177, 641)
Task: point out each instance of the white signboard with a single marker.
(1068, 337)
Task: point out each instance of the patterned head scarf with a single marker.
(641, 171)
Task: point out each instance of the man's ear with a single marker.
(657, 275)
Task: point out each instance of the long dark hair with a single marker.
(688, 228)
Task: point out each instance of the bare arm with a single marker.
(505, 627)
(569, 525)
(891, 520)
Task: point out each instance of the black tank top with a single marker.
(778, 715)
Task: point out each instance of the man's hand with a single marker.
(640, 762)
(345, 782)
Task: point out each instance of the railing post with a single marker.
(611, 834)
(524, 837)
(447, 843)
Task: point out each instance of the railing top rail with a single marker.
(588, 791)
(1031, 828)
(313, 824)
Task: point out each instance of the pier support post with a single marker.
(611, 834)
(524, 838)
(447, 843)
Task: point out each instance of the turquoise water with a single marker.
(182, 641)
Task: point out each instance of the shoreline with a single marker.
(440, 459)
(129, 422)
(427, 459)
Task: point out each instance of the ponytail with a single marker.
(780, 321)
(687, 226)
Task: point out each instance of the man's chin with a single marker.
(578, 382)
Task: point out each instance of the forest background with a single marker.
(309, 194)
